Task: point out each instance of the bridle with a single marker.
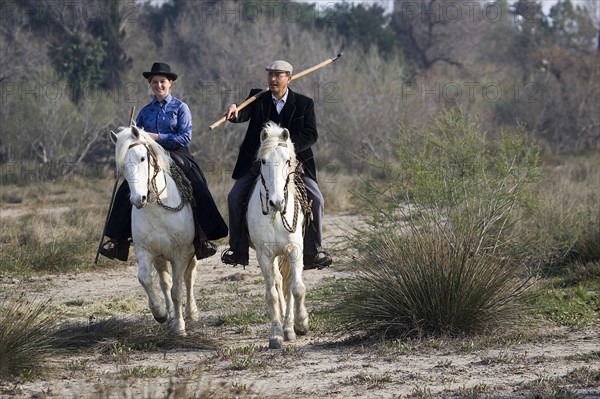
(264, 203)
(151, 183)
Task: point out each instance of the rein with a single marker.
(300, 199)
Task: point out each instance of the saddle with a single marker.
(192, 172)
(189, 167)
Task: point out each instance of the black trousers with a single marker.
(207, 215)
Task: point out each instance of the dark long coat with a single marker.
(298, 116)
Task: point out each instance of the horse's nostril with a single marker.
(143, 199)
(276, 205)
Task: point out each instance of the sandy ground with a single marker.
(313, 366)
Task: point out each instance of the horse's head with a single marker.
(138, 159)
(278, 161)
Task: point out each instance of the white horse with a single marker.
(275, 224)
(162, 226)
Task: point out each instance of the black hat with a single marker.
(160, 68)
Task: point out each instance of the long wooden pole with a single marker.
(294, 77)
(112, 200)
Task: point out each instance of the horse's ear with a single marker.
(285, 135)
(113, 137)
(135, 131)
(263, 135)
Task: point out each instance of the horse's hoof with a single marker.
(180, 333)
(289, 335)
(301, 328)
(161, 319)
(275, 343)
(301, 331)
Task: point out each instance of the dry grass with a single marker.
(564, 227)
(55, 226)
(25, 339)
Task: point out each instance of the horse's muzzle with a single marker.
(139, 201)
(277, 205)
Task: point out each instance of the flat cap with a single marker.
(280, 66)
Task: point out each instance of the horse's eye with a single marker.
(143, 159)
(289, 162)
(263, 161)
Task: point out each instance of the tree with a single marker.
(80, 62)
(366, 25)
(422, 29)
(572, 27)
(109, 27)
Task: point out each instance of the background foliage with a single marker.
(72, 70)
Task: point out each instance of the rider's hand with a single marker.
(232, 112)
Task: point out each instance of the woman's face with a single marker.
(161, 86)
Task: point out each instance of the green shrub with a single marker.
(439, 252)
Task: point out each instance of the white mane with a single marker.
(271, 138)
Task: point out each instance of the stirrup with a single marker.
(319, 261)
(204, 249)
(114, 249)
(229, 257)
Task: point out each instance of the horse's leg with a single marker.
(144, 274)
(279, 286)
(179, 267)
(190, 278)
(298, 290)
(166, 282)
(288, 320)
(272, 296)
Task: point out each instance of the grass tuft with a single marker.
(419, 285)
(25, 336)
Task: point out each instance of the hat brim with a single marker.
(169, 75)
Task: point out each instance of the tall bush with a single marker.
(440, 252)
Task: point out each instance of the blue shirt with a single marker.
(172, 122)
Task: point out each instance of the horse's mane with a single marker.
(125, 138)
(273, 140)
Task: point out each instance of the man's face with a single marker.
(278, 82)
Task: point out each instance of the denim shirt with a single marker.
(172, 122)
